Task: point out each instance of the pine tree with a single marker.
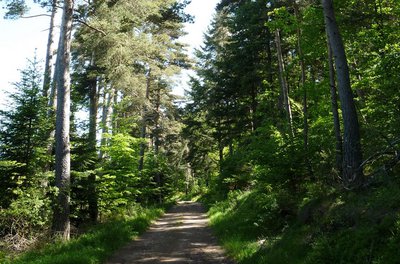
(61, 221)
(23, 129)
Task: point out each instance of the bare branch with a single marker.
(381, 153)
(39, 15)
(91, 27)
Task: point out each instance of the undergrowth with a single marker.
(258, 226)
(95, 245)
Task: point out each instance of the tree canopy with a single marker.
(292, 103)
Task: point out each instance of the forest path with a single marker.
(181, 236)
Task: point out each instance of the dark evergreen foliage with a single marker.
(22, 132)
(260, 131)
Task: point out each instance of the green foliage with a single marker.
(25, 200)
(251, 216)
(281, 19)
(115, 48)
(163, 180)
(15, 9)
(23, 128)
(9, 180)
(361, 225)
(27, 217)
(118, 179)
(273, 181)
(236, 173)
(330, 227)
(97, 244)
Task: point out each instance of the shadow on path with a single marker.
(180, 236)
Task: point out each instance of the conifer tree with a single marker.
(61, 221)
(23, 128)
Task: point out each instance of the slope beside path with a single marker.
(181, 236)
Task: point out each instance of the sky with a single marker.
(19, 39)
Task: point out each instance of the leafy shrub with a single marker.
(27, 217)
(119, 178)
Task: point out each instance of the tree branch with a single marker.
(381, 153)
(91, 27)
(39, 15)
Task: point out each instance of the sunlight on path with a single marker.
(180, 236)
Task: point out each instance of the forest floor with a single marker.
(181, 236)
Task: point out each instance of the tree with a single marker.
(23, 130)
(61, 221)
(49, 53)
(335, 111)
(17, 9)
(352, 155)
(284, 86)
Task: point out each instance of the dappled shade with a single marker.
(180, 236)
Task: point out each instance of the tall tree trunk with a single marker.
(61, 221)
(144, 122)
(49, 88)
(156, 131)
(284, 86)
(270, 75)
(220, 145)
(156, 135)
(253, 108)
(352, 155)
(220, 153)
(49, 51)
(108, 100)
(114, 120)
(303, 85)
(93, 107)
(335, 111)
(52, 107)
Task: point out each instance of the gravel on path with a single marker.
(181, 236)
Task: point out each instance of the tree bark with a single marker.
(49, 88)
(49, 52)
(156, 135)
(270, 75)
(303, 85)
(144, 122)
(253, 108)
(93, 107)
(108, 100)
(61, 221)
(284, 86)
(335, 111)
(352, 155)
(156, 130)
(114, 120)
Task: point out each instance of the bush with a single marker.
(27, 217)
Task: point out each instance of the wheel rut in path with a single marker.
(181, 236)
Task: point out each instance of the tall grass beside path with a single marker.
(96, 245)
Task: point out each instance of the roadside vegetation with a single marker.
(299, 100)
(328, 226)
(289, 132)
(95, 245)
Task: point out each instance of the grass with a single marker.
(237, 223)
(342, 227)
(96, 245)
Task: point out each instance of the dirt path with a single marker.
(181, 236)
